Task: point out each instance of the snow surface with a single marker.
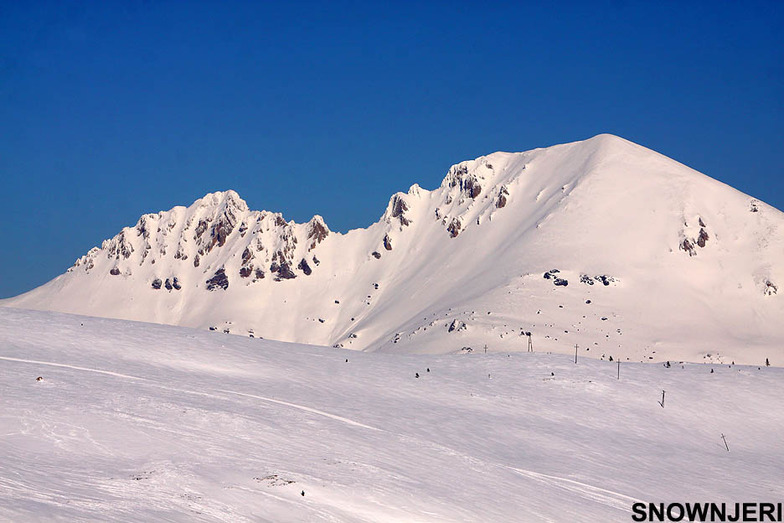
(694, 266)
(144, 422)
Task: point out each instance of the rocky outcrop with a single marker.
(454, 227)
(601, 278)
(174, 283)
(387, 242)
(317, 231)
(247, 267)
(399, 207)
(551, 275)
(502, 194)
(200, 230)
(180, 254)
(457, 326)
(604, 279)
(281, 266)
(471, 187)
(218, 281)
(143, 226)
(702, 237)
(304, 267)
(221, 230)
(118, 247)
(213, 230)
(468, 183)
(688, 246)
(247, 256)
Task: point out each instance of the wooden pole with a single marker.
(619, 369)
(725, 442)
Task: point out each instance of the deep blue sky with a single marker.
(109, 110)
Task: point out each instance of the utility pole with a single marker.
(725, 442)
(575, 354)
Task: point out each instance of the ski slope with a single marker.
(145, 422)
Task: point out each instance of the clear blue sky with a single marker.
(109, 110)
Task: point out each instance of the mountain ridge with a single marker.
(665, 244)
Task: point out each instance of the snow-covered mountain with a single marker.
(602, 244)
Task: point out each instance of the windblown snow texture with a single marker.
(140, 422)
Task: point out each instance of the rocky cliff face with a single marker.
(200, 245)
(601, 243)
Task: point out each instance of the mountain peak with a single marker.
(597, 243)
(228, 198)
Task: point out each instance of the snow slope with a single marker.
(661, 262)
(142, 422)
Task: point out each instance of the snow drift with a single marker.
(140, 422)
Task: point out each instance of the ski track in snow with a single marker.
(610, 498)
(302, 407)
(75, 367)
(519, 447)
(606, 497)
(198, 393)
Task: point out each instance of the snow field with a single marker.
(136, 421)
